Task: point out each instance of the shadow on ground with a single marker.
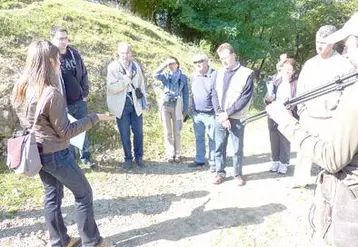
(198, 222)
(148, 205)
(152, 167)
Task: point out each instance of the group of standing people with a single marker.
(54, 83)
(326, 134)
(219, 99)
(323, 68)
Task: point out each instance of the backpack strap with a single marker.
(39, 106)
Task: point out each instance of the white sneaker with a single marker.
(274, 166)
(282, 168)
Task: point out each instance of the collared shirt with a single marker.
(202, 86)
(242, 99)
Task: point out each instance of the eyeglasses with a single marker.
(62, 38)
(200, 61)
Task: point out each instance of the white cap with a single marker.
(200, 56)
(350, 28)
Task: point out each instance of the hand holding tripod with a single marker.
(335, 85)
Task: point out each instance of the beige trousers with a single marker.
(172, 128)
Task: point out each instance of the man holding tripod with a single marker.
(327, 65)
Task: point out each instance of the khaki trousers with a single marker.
(172, 128)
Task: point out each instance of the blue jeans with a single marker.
(204, 124)
(80, 110)
(60, 169)
(128, 121)
(237, 137)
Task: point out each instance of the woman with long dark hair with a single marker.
(38, 91)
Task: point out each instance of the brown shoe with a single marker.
(240, 180)
(74, 242)
(218, 179)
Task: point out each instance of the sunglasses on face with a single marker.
(200, 61)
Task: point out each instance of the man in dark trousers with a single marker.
(75, 81)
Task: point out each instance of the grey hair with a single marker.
(325, 30)
(124, 44)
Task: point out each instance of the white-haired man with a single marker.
(126, 101)
(203, 113)
(325, 67)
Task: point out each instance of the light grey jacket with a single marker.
(117, 84)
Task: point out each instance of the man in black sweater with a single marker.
(75, 81)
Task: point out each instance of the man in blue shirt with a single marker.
(203, 111)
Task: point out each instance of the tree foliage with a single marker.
(259, 30)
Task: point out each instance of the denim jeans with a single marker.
(80, 110)
(221, 137)
(204, 124)
(60, 169)
(128, 121)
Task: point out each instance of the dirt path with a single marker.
(171, 205)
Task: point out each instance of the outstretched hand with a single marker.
(105, 117)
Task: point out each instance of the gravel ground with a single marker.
(172, 205)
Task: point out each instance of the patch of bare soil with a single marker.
(172, 205)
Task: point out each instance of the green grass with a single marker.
(95, 31)
(16, 191)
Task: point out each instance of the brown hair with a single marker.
(225, 46)
(55, 29)
(176, 60)
(292, 62)
(38, 73)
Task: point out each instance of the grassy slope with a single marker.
(94, 30)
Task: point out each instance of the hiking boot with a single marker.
(128, 165)
(282, 168)
(140, 163)
(274, 166)
(240, 180)
(196, 165)
(218, 179)
(74, 242)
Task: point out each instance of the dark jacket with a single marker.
(81, 73)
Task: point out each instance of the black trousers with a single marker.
(280, 146)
